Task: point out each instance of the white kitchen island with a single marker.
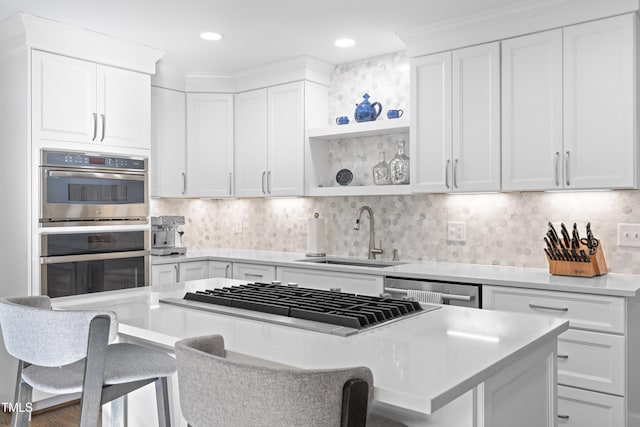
(448, 367)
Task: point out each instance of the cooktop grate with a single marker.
(332, 307)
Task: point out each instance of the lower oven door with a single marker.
(82, 263)
(461, 294)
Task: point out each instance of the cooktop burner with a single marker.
(304, 307)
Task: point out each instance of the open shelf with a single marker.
(360, 190)
(357, 130)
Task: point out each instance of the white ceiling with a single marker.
(256, 32)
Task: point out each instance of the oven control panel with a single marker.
(93, 161)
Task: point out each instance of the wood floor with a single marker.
(65, 416)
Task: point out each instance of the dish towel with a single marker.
(430, 297)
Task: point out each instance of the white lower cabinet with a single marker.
(363, 284)
(582, 408)
(597, 381)
(164, 274)
(254, 272)
(193, 270)
(220, 269)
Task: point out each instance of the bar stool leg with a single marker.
(162, 397)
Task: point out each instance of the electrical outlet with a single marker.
(629, 235)
(237, 225)
(456, 231)
(303, 225)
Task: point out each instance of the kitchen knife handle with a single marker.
(263, 174)
(455, 174)
(544, 307)
(566, 167)
(446, 174)
(95, 126)
(556, 172)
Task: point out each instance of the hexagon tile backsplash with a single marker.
(504, 229)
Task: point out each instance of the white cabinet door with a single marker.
(599, 104)
(220, 269)
(476, 118)
(431, 123)
(254, 272)
(193, 270)
(209, 145)
(532, 112)
(168, 112)
(250, 151)
(362, 284)
(285, 161)
(581, 408)
(124, 107)
(63, 98)
(164, 274)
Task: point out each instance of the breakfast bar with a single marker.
(450, 366)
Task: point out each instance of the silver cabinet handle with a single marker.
(446, 174)
(455, 174)
(566, 167)
(104, 126)
(269, 182)
(92, 257)
(253, 275)
(184, 182)
(563, 356)
(563, 417)
(95, 126)
(263, 174)
(177, 272)
(226, 271)
(555, 168)
(230, 181)
(544, 307)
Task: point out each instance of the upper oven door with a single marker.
(76, 195)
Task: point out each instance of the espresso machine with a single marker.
(166, 235)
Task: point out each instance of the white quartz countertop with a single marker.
(534, 278)
(418, 363)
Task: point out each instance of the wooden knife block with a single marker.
(597, 266)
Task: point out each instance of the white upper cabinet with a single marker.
(532, 112)
(456, 120)
(209, 168)
(251, 143)
(568, 108)
(599, 104)
(79, 101)
(168, 129)
(269, 141)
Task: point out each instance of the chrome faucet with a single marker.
(373, 251)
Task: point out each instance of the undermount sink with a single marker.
(352, 262)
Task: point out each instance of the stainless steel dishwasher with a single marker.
(461, 294)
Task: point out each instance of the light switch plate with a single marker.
(456, 231)
(629, 235)
(237, 225)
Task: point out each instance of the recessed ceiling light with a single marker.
(210, 36)
(344, 42)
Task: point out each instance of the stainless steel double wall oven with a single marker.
(93, 214)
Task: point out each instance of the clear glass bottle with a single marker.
(399, 166)
(381, 171)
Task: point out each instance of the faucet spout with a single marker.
(373, 251)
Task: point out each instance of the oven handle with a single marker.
(92, 257)
(73, 174)
(444, 296)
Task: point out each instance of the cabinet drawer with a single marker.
(592, 360)
(580, 408)
(594, 312)
(254, 272)
(362, 284)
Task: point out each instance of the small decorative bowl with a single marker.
(344, 177)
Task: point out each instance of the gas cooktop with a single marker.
(332, 312)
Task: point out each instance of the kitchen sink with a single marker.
(352, 262)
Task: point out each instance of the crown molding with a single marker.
(51, 36)
(509, 21)
(290, 70)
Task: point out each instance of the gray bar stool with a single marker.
(223, 389)
(65, 351)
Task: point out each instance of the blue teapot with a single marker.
(366, 111)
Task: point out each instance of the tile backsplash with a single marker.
(505, 229)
